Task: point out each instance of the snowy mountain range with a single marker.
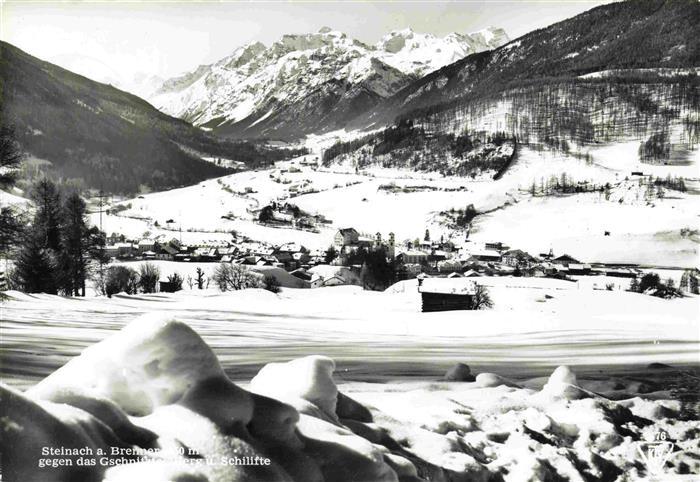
(309, 83)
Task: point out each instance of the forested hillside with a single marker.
(405, 145)
(75, 128)
(624, 69)
(581, 112)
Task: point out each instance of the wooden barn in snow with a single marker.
(446, 294)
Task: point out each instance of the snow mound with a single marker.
(562, 374)
(153, 361)
(309, 379)
(562, 383)
(156, 386)
(487, 380)
(460, 372)
(29, 426)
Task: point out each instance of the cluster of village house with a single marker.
(289, 256)
(417, 258)
(304, 186)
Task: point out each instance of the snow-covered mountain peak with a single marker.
(311, 41)
(308, 77)
(243, 55)
(492, 36)
(398, 40)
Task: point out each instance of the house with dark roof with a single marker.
(565, 259)
(486, 255)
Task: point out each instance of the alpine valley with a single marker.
(428, 259)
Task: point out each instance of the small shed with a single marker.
(446, 294)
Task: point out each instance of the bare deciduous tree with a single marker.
(482, 299)
(200, 280)
(234, 277)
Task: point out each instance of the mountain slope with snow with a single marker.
(309, 83)
(634, 38)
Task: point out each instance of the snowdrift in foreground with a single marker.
(153, 403)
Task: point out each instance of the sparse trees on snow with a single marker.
(200, 278)
(634, 285)
(149, 274)
(481, 299)
(120, 279)
(233, 277)
(266, 214)
(271, 284)
(11, 156)
(649, 280)
(331, 254)
(175, 281)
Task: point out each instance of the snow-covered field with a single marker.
(536, 325)
(640, 230)
(379, 412)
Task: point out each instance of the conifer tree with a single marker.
(76, 241)
(47, 220)
(10, 158)
(35, 267)
(634, 285)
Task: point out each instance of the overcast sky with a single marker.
(120, 39)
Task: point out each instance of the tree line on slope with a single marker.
(580, 111)
(405, 145)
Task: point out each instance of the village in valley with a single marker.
(425, 258)
(305, 225)
(294, 265)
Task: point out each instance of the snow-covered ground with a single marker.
(13, 199)
(640, 230)
(157, 385)
(537, 324)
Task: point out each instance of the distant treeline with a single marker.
(119, 173)
(405, 145)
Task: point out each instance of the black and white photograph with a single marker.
(349, 241)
